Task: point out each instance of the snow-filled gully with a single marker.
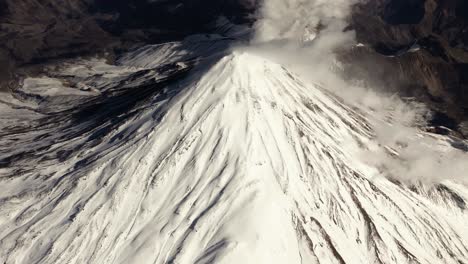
(238, 161)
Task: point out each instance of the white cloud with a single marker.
(305, 36)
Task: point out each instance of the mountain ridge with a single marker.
(239, 160)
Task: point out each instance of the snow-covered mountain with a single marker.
(193, 152)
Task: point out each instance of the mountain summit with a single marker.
(238, 160)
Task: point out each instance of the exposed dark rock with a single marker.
(37, 31)
(399, 12)
(176, 16)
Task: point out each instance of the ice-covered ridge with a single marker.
(245, 163)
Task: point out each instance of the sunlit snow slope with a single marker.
(198, 158)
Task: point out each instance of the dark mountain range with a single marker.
(36, 31)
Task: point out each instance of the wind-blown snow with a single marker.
(235, 161)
